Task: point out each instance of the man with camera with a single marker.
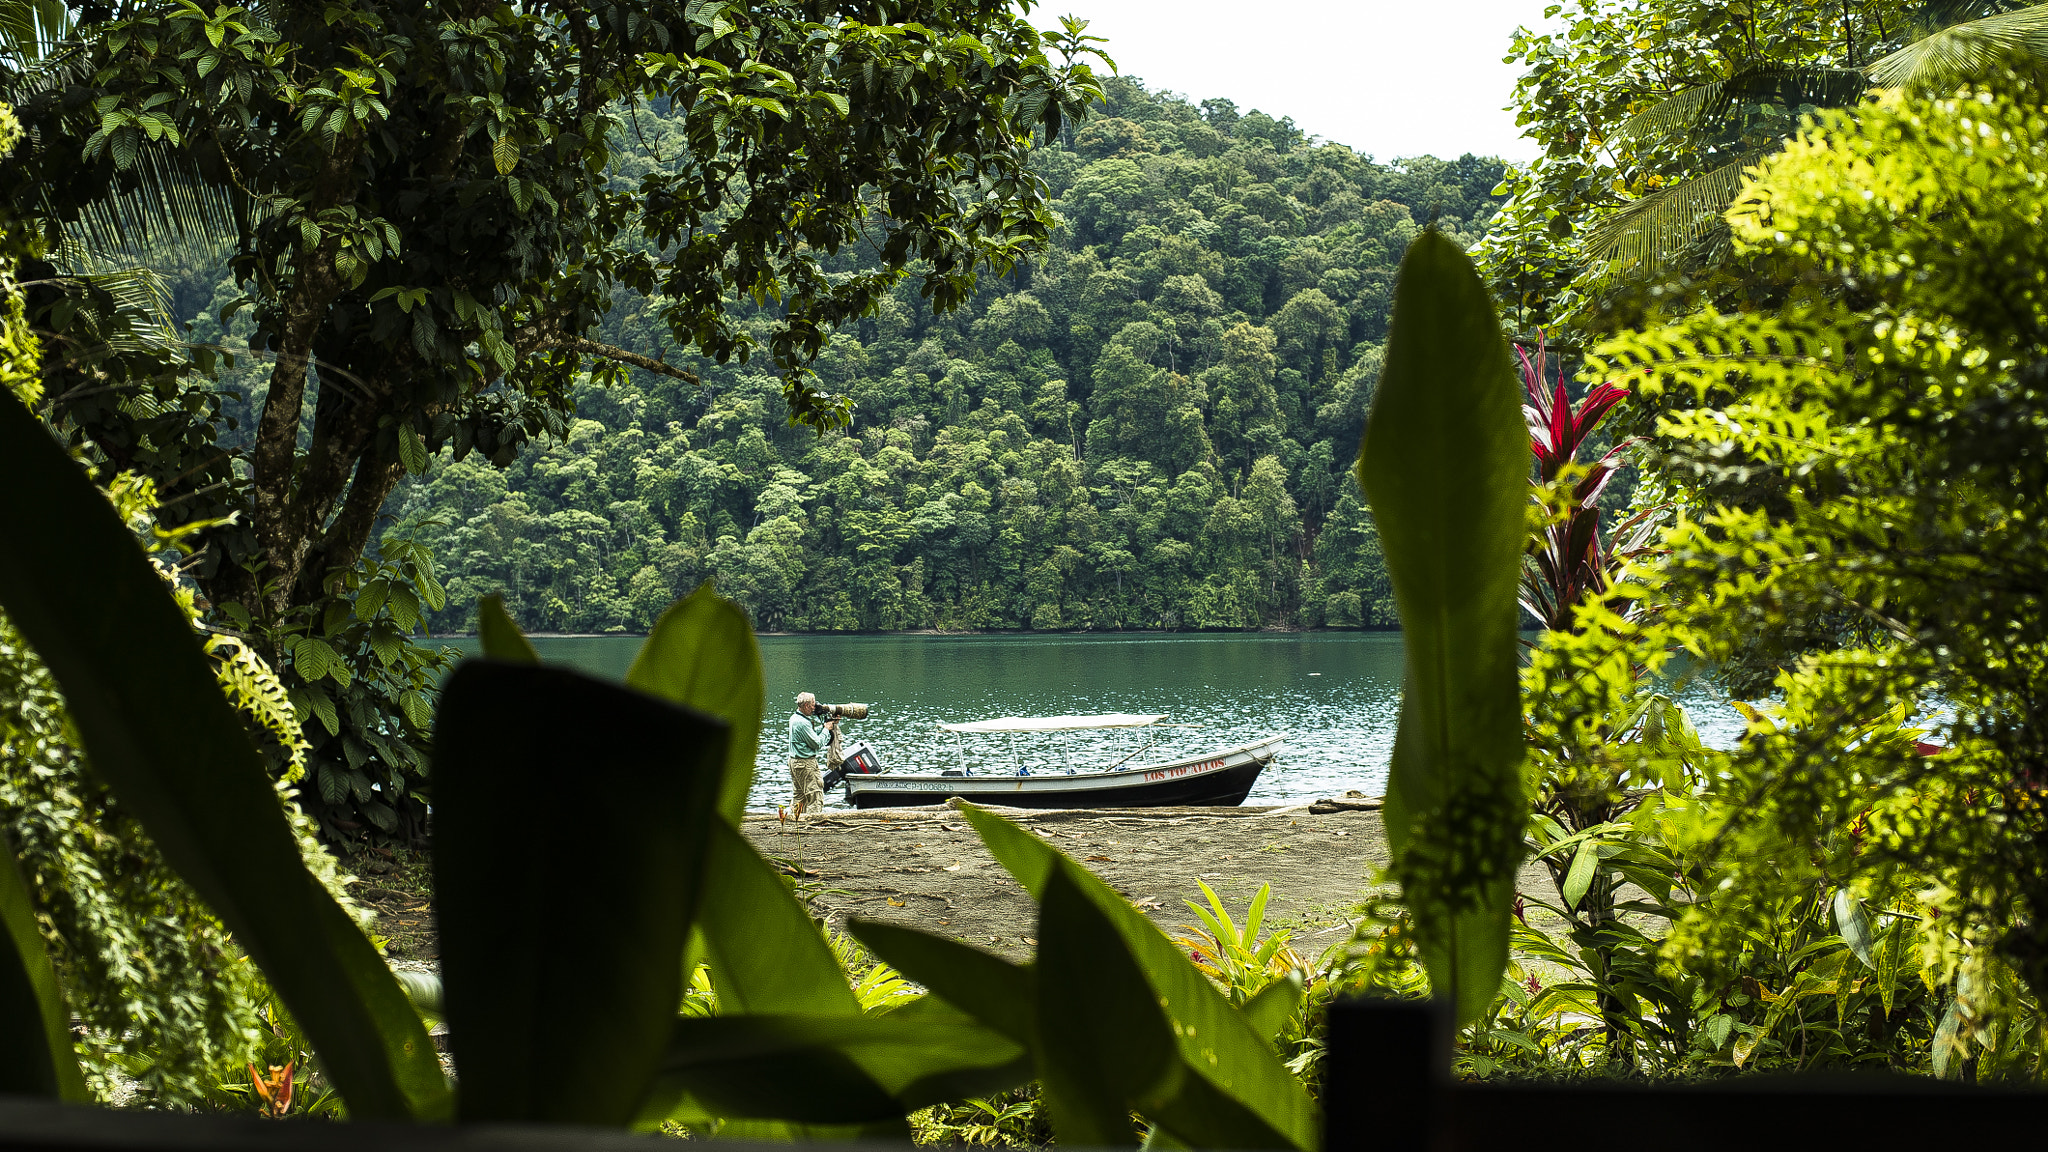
(807, 738)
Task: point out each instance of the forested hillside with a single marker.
(1149, 427)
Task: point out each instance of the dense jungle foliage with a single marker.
(1781, 259)
(1148, 426)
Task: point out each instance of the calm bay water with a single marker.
(1334, 696)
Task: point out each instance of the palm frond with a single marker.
(1942, 13)
(1652, 230)
(1792, 87)
(1953, 55)
(124, 308)
(162, 204)
(1676, 113)
(30, 30)
(169, 205)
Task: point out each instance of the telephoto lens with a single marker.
(845, 711)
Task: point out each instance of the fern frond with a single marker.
(254, 689)
(1939, 62)
(1713, 352)
(1652, 230)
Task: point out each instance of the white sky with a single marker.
(1387, 78)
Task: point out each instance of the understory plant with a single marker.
(163, 997)
(1857, 480)
(1110, 1019)
(597, 1037)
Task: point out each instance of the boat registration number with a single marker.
(1184, 769)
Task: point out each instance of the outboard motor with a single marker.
(859, 759)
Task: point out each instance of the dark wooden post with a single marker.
(1386, 1073)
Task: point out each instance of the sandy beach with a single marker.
(926, 868)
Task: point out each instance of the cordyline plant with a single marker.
(1570, 562)
(1601, 756)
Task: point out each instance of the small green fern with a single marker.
(253, 687)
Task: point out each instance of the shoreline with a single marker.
(927, 868)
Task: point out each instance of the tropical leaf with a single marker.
(30, 30)
(1445, 468)
(542, 1032)
(1654, 229)
(840, 1069)
(500, 637)
(767, 957)
(1939, 62)
(1105, 1043)
(765, 951)
(1684, 111)
(84, 595)
(994, 990)
(1854, 924)
(36, 1058)
(1276, 1003)
(1232, 1091)
(702, 654)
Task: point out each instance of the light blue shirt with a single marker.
(806, 737)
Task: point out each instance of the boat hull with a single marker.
(1218, 779)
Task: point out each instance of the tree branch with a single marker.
(589, 347)
(377, 474)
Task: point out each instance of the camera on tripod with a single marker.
(842, 711)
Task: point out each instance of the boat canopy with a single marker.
(1053, 723)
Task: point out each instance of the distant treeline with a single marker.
(1149, 427)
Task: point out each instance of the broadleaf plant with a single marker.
(1445, 465)
(81, 591)
(35, 1029)
(536, 1041)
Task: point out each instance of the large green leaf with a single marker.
(610, 819)
(159, 732)
(766, 954)
(840, 1069)
(702, 653)
(1234, 1090)
(1104, 1042)
(36, 1058)
(501, 638)
(768, 958)
(1276, 1003)
(964, 1055)
(1445, 466)
(1936, 64)
(1000, 994)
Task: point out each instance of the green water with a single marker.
(1334, 696)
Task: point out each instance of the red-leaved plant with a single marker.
(1571, 562)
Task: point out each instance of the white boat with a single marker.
(1220, 778)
